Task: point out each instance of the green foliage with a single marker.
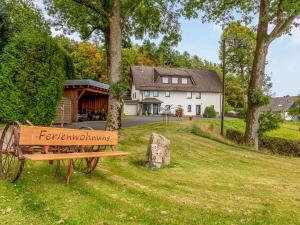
(258, 98)
(227, 107)
(5, 26)
(235, 136)
(276, 145)
(294, 111)
(210, 112)
(269, 121)
(241, 113)
(119, 89)
(32, 75)
(281, 146)
(239, 48)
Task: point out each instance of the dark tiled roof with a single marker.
(205, 80)
(280, 104)
(87, 82)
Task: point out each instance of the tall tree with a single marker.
(239, 48)
(5, 26)
(115, 21)
(275, 18)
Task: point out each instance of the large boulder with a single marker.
(158, 153)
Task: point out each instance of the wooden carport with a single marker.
(86, 95)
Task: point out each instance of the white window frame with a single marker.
(174, 80)
(148, 95)
(169, 95)
(154, 93)
(184, 79)
(191, 95)
(165, 80)
(198, 95)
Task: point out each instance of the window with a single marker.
(198, 95)
(189, 95)
(168, 94)
(155, 93)
(189, 109)
(146, 93)
(134, 95)
(184, 80)
(165, 80)
(168, 107)
(174, 80)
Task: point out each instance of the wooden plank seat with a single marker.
(48, 138)
(63, 156)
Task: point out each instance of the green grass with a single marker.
(288, 130)
(207, 183)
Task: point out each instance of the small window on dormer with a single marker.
(184, 80)
(174, 80)
(146, 93)
(165, 80)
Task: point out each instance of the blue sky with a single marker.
(283, 58)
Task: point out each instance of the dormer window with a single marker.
(174, 80)
(184, 80)
(146, 93)
(165, 80)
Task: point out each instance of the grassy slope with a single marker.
(207, 183)
(288, 130)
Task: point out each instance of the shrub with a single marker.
(269, 121)
(32, 75)
(281, 146)
(274, 144)
(210, 112)
(235, 136)
(241, 113)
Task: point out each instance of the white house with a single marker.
(157, 89)
(282, 105)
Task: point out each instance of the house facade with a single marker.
(156, 90)
(282, 105)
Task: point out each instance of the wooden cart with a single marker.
(81, 148)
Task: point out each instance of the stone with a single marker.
(158, 153)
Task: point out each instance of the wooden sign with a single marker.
(33, 135)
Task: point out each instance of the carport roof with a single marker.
(87, 82)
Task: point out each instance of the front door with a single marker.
(155, 109)
(198, 110)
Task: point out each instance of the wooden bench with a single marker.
(82, 148)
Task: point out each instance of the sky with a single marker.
(283, 57)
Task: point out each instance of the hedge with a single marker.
(274, 144)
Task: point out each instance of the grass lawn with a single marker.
(288, 130)
(207, 183)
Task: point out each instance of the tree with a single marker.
(32, 68)
(89, 62)
(275, 18)
(294, 111)
(115, 21)
(239, 48)
(5, 26)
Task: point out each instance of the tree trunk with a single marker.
(114, 71)
(257, 76)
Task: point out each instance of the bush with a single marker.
(32, 76)
(235, 136)
(281, 146)
(275, 145)
(269, 121)
(210, 112)
(241, 113)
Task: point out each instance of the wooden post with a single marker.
(69, 170)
